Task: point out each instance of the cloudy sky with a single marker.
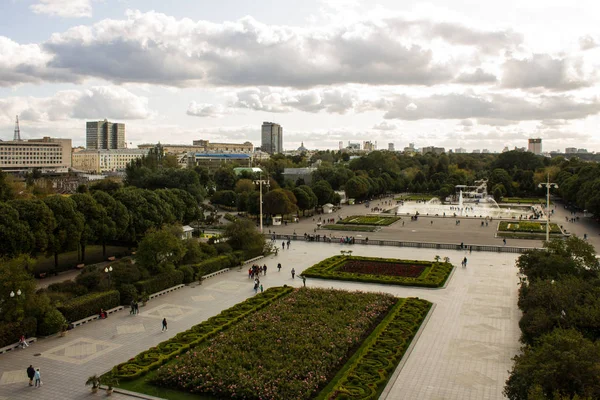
(482, 74)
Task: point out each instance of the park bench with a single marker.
(94, 317)
(15, 346)
(169, 290)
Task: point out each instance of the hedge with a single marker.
(366, 374)
(528, 227)
(90, 304)
(368, 220)
(183, 341)
(350, 228)
(160, 282)
(215, 264)
(435, 276)
(10, 332)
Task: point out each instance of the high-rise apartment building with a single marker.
(535, 146)
(272, 138)
(105, 135)
(391, 147)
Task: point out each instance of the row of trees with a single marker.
(560, 299)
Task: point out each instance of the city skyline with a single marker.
(472, 77)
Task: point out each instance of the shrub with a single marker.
(90, 280)
(214, 264)
(125, 273)
(10, 332)
(69, 287)
(223, 248)
(52, 322)
(160, 282)
(28, 326)
(188, 273)
(128, 292)
(90, 304)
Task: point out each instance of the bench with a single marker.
(15, 346)
(219, 272)
(253, 259)
(169, 290)
(94, 317)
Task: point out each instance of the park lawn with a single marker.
(433, 275)
(69, 260)
(350, 228)
(288, 350)
(523, 200)
(368, 220)
(527, 227)
(415, 197)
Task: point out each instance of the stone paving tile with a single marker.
(447, 362)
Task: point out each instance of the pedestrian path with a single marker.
(463, 352)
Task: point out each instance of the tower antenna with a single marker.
(17, 137)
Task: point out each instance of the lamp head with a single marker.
(12, 294)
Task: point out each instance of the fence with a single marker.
(398, 243)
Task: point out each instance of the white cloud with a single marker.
(97, 102)
(478, 76)
(411, 107)
(205, 110)
(587, 42)
(385, 126)
(63, 8)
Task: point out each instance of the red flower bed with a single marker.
(382, 268)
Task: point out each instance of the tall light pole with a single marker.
(261, 182)
(108, 270)
(548, 185)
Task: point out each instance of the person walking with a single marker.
(279, 267)
(282, 245)
(136, 308)
(265, 269)
(38, 378)
(465, 262)
(504, 241)
(261, 288)
(164, 325)
(293, 273)
(304, 280)
(31, 374)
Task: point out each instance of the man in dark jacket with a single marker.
(30, 374)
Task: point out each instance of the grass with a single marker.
(368, 220)
(69, 260)
(523, 200)
(527, 227)
(434, 275)
(415, 197)
(350, 228)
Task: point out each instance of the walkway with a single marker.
(464, 351)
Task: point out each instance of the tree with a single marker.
(15, 235)
(323, 191)
(15, 275)
(161, 248)
(107, 185)
(225, 178)
(242, 235)
(69, 225)
(304, 202)
(96, 221)
(225, 198)
(357, 188)
(278, 202)
(562, 362)
(6, 188)
(38, 216)
(245, 186)
(117, 213)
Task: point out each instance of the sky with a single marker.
(479, 74)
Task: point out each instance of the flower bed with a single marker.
(434, 274)
(183, 341)
(350, 228)
(289, 350)
(368, 220)
(527, 227)
(366, 374)
(382, 268)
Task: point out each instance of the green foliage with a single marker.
(279, 201)
(188, 273)
(183, 341)
(242, 235)
(160, 282)
(224, 198)
(161, 247)
(214, 264)
(126, 273)
(196, 252)
(15, 275)
(128, 292)
(90, 304)
(90, 280)
(527, 226)
(322, 189)
(52, 322)
(10, 332)
(384, 348)
(562, 361)
(69, 287)
(350, 228)
(290, 365)
(368, 220)
(69, 224)
(15, 235)
(38, 216)
(434, 276)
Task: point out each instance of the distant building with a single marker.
(476, 151)
(535, 146)
(505, 149)
(214, 161)
(582, 151)
(341, 144)
(410, 149)
(294, 174)
(485, 151)
(460, 150)
(272, 138)
(104, 135)
(369, 146)
(103, 161)
(302, 148)
(46, 154)
(203, 146)
(353, 146)
(571, 150)
(391, 147)
(432, 149)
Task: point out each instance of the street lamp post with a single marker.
(12, 294)
(108, 270)
(548, 185)
(261, 182)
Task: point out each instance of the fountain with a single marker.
(477, 204)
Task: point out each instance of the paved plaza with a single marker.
(464, 350)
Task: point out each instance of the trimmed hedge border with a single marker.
(182, 342)
(364, 220)
(433, 277)
(90, 304)
(350, 228)
(366, 374)
(160, 282)
(503, 226)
